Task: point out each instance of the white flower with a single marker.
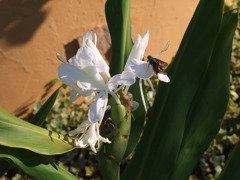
(136, 63)
(141, 68)
(88, 73)
(89, 135)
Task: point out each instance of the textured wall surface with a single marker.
(32, 31)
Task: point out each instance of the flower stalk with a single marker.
(119, 122)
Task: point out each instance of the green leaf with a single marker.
(231, 169)
(158, 149)
(38, 166)
(204, 119)
(118, 19)
(41, 115)
(15, 132)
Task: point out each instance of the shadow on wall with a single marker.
(19, 19)
(25, 110)
(103, 43)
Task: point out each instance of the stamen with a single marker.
(133, 117)
(142, 96)
(80, 86)
(118, 89)
(126, 90)
(115, 97)
(95, 39)
(73, 132)
(151, 85)
(98, 134)
(61, 58)
(164, 49)
(104, 110)
(104, 76)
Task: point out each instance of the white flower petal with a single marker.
(144, 44)
(135, 106)
(61, 58)
(97, 108)
(142, 69)
(135, 52)
(92, 137)
(126, 78)
(88, 78)
(163, 77)
(82, 128)
(102, 67)
(138, 49)
(69, 80)
(105, 140)
(83, 142)
(98, 59)
(88, 35)
(74, 95)
(73, 61)
(84, 58)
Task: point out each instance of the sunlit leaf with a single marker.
(38, 166)
(15, 132)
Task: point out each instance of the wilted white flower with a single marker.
(90, 135)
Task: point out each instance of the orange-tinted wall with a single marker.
(32, 31)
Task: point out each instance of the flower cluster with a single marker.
(87, 73)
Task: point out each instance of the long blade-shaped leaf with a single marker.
(118, 19)
(15, 132)
(210, 103)
(157, 152)
(41, 115)
(231, 170)
(38, 166)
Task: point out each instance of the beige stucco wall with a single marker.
(32, 31)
